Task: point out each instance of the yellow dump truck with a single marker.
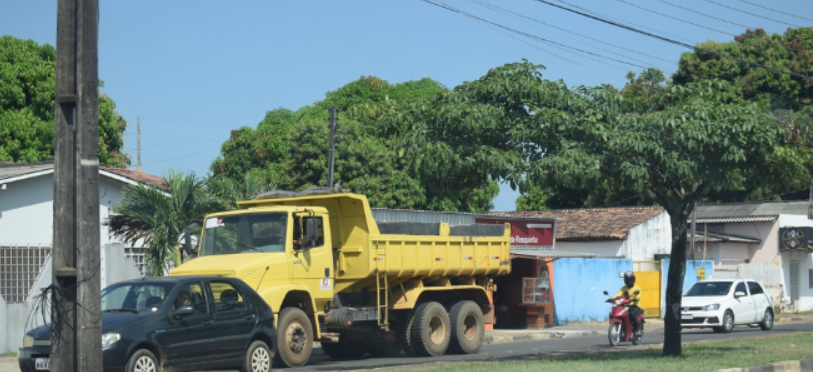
(334, 275)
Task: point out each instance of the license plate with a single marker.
(42, 364)
(687, 317)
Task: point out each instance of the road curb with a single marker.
(504, 339)
(801, 365)
(780, 320)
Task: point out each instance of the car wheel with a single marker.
(258, 358)
(614, 334)
(431, 331)
(143, 361)
(468, 327)
(294, 337)
(728, 322)
(767, 321)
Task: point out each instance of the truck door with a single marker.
(313, 266)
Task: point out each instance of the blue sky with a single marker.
(194, 70)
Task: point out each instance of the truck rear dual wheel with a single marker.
(294, 338)
(468, 327)
(431, 329)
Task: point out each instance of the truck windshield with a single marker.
(245, 233)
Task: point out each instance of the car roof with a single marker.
(726, 280)
(173, 279)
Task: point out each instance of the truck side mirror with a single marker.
(311, 233)
(190, 240)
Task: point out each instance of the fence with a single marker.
(20, 266)
(137, 254)
(768, 274)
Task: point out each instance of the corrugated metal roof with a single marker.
(748, 212)
(550, 254)
(452, 218)
(722, 238)
(11, 170)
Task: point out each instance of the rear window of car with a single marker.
(755, 288)
(709, 289)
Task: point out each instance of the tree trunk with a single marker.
(674, 283)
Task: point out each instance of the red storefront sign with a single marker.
(527, 233)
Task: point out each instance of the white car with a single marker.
(722, 303)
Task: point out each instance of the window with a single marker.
(320, 240)
(810, 278)
(755, 288)
(709, 289)
(245, 233)
(741, 288)
(227, 297)
(192, 295)
(139, 297)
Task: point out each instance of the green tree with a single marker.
(159, 218)
(513, 125)
(289, 149)
(27, 86)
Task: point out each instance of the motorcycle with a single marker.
(620, 327)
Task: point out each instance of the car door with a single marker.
(235, 319)
(761, 301)
(188, 339)
(744, 306)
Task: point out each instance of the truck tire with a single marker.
(294, 337)
(468, 327)
(431, 331)
(405, 335)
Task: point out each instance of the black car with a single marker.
(177, 323)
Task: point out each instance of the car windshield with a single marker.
(709, 289)
(134, 297)
(245, 233)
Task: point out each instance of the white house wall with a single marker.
(27, 208)
(805, 259)
(653, 236)
(604, 248)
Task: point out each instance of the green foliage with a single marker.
(147, 213)
(290, 150)
(27, 85)
(534, 200)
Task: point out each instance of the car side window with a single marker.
(741, 288)
(755, 288)
(227, 296)
(192, 295)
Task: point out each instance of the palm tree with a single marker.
(159, 217)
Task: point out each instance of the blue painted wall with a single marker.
(578, 286)
(689, 279)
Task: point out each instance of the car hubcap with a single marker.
(768, 319)
(260, 360)
(144, 364)
(296, 337)
(728, 321)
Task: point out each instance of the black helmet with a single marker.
(629, 278)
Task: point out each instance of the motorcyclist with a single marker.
(633, 292)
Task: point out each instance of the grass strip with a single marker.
(696, 357)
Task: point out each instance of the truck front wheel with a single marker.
(431, 330)
(294, 337)
(468, 327)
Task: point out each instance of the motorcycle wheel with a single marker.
(614, 334)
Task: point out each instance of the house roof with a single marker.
(748, 212)
(11, 172)
(712, 237)
(593, 223)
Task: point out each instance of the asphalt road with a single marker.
(512, 350)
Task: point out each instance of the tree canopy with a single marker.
(512, 124)
(27, 85)
(288, 149)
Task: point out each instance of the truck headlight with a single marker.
(110, 339)
(28, 341)
(711, 307)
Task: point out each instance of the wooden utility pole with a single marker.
(77, 307)
(138, 140)
(331, 147)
